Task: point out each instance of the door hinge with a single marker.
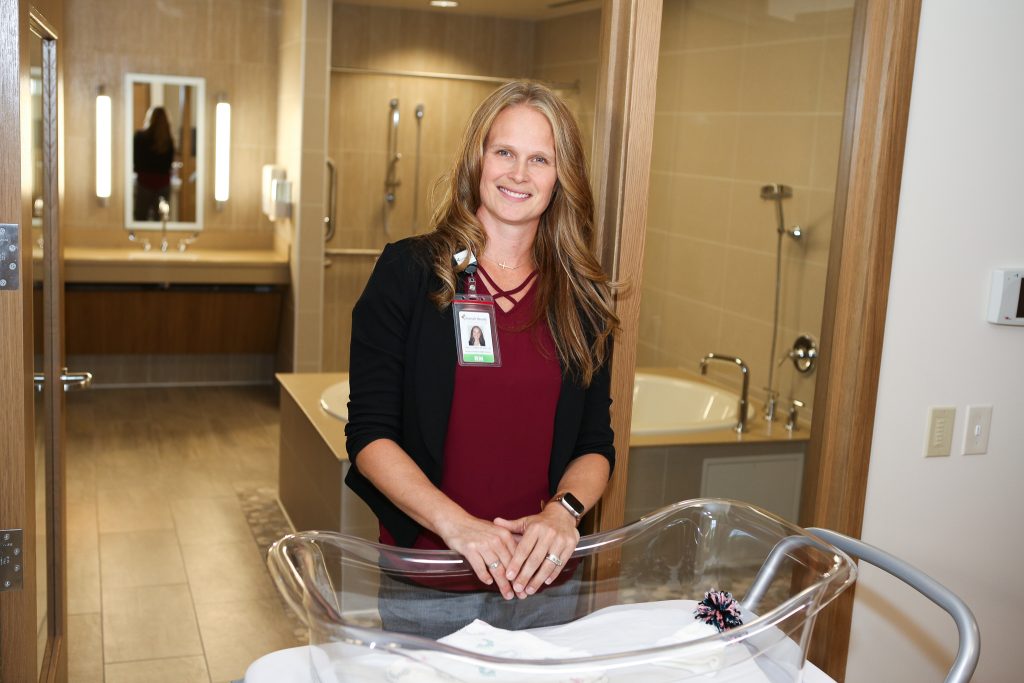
(11, 562)
(8, 256)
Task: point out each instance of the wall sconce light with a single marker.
(222, 161)
(103, 144)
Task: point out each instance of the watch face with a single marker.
(573, 503)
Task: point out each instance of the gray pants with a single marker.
(421, 611)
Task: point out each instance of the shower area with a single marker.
(748, 119)
(403, 82)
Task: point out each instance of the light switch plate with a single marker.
(976, 429)
(940, 431)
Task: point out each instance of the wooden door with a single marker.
(33, 614)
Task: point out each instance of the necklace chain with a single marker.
(503, 265)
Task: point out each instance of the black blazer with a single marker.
(402, 379)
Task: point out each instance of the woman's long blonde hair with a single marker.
(574, 293)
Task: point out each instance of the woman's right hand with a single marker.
(483, 544)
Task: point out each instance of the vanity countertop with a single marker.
(305, 389)
(198, 265)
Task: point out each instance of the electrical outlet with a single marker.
(940, 431)
(979, 424)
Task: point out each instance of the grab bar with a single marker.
(351, 252)
(332, 200)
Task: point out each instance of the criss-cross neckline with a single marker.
(499, 293)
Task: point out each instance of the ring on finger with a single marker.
(494, 565)
(553, 559)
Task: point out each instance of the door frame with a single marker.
(880, 75)
(18, 613)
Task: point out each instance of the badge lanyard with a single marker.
(476, 331)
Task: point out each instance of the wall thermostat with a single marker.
(1006, 302)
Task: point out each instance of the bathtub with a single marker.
(662, 405)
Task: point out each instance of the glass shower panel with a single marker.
(749, 93)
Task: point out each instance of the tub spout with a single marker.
(741, 423)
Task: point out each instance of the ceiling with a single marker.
(513, 9)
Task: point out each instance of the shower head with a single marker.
(776, 191)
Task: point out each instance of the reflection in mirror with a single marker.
(164, 152)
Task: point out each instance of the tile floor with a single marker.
(166, 580)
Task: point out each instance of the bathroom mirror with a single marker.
(164, 146)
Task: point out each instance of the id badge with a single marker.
(476, 333)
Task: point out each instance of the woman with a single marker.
(476, 337)
(153, 153)
(496, 463)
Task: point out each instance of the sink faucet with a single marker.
(741, 424)
(165, 212)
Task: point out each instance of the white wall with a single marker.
(960, 215)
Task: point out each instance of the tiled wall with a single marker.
(301, 143)
(230, 44)
(744, 98)
(562, 50)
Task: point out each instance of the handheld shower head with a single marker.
(776, 191)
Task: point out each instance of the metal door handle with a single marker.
(71, 381)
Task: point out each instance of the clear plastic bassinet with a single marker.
(634, 614)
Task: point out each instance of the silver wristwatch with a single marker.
(571, 504)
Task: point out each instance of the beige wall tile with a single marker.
(825, 164)
(701, 207)
(172, 670)
(776, 22)
(706, 144)
(665, 131)
(775, 147)
(713, 23)
(834, 73)
(131, 633)
(781, 77)
(695, 270)
(751, 278)
(709, 80)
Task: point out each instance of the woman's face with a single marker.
(477, 334)
(518, 174)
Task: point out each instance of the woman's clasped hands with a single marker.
(519, 555)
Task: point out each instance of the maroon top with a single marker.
(498, 445)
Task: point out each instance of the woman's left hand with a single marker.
(545, 537)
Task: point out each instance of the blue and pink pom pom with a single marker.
(719, 609)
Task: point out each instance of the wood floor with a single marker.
(165, 578)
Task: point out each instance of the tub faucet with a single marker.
(741, 424)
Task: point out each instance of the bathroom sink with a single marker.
(661, 405)
(334, 400)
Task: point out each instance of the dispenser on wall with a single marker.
(1006, 302)
(277, 192)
